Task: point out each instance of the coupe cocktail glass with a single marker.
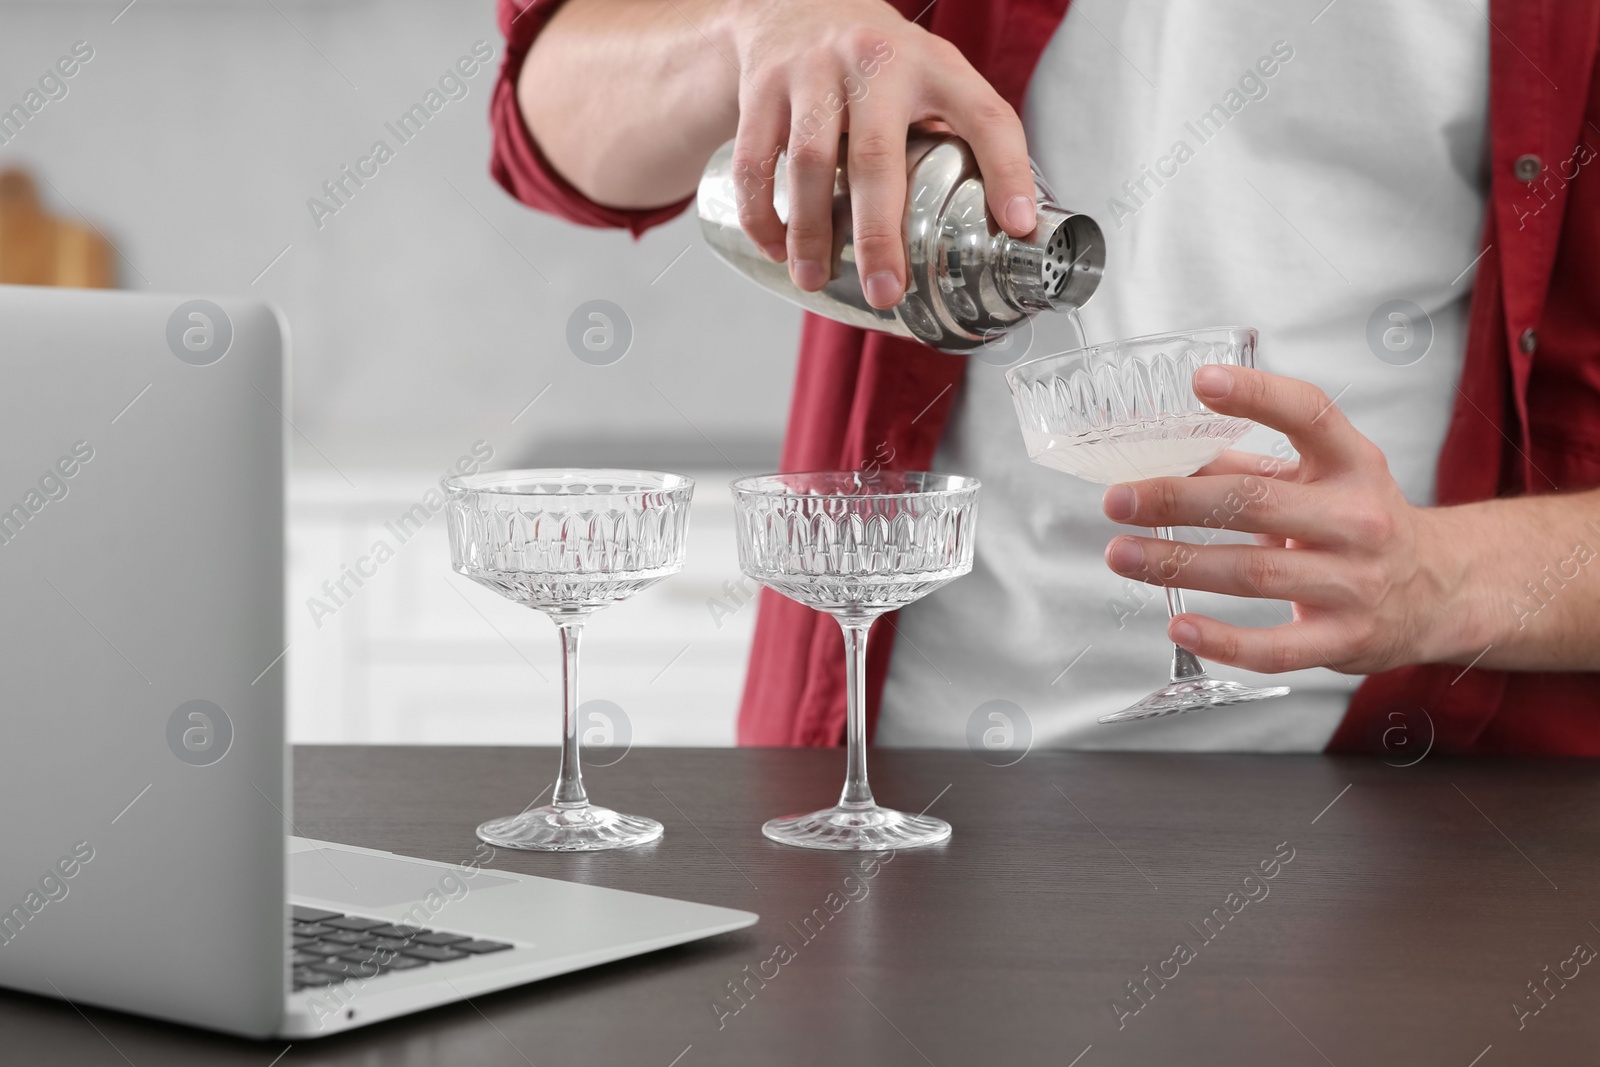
(856, 545)
(568, 543)
(1126, 411)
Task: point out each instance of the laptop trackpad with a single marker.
(377, 881)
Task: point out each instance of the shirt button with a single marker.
(1528, 341)
(1527, 167)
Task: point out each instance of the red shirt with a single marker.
(1526, 418)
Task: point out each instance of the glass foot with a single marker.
(857, 829)
(585, 829)
(1192, 695)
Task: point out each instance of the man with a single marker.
(1313, 172)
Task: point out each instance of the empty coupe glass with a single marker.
(856, 545)
(568, 543)
(1126, 411)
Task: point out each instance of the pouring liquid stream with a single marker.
(1077, 324)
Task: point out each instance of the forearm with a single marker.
(1521, 578)
(629, 98)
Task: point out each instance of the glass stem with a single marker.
(857, 794)
(1185, 666)
(569, 792)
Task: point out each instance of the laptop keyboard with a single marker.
(330, 946)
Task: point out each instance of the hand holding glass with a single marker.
(1127, 411)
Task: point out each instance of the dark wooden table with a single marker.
(1419, 904)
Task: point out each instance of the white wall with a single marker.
(194, 138)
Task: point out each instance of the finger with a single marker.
(1291, 647)
(1234, 461)
(1313, 423)
(1301, 575)
(1247, 502)
(877, 169)
(763, 121)
(814, 129)
(982, 118)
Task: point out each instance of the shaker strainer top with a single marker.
(1057, 264)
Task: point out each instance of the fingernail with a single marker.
(883, 289)
(1119, 503)
(1213, 382)
(776, 251)
(1020, 214)
(1125, 555)
(1184, 633)
(807, 274)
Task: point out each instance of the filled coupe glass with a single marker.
(568, 543)
(856, 545)
(1124, 412)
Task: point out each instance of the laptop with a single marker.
(147, 855)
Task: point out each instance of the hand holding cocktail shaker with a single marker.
(969, 282)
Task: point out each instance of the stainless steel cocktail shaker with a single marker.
(970, 282)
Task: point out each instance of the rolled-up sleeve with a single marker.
(517, 162)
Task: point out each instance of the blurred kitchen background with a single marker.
(429, 314)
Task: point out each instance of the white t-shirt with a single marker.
(1251, 164)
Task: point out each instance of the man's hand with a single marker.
(809, 72)
(1373, 580)
(629, 98)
